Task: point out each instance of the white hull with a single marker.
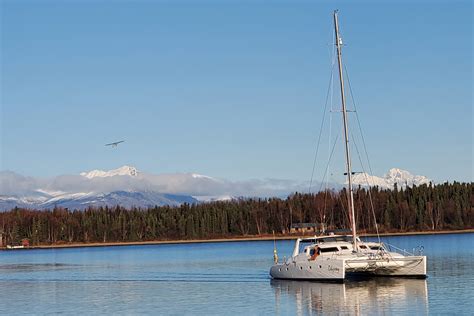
(340, 269)
(310, 270)
(411, 266)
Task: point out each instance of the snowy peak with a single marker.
(365, 179)
(396, 174)
(404, 178)
(200, 176)
(401, 177)
(122, 171)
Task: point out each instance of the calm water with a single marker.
(224, 278)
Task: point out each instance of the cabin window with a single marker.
(375, 248)
(310, 267)
(344, 248)
(362, 247)
(301, 268)
(329, 249)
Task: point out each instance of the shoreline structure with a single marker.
(231, 239)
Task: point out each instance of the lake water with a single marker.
(225, 279)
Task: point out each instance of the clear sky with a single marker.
(231, 89)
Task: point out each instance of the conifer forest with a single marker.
(447, 206)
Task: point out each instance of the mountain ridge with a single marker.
(129, 187)
(394, 176)
(122, 171)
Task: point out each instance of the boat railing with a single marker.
(418, 250)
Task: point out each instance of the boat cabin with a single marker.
(332, 244)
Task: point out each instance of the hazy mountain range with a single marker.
(126, 186)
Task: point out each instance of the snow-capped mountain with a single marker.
(126, 186)
(122, 198)
(83, 200)
(122, 171)
(402, 178)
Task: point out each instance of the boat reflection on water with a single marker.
(370, 296)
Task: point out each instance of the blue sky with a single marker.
(231, 89)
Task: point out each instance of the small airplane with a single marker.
(114, 144)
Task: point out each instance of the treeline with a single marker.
(440, 207)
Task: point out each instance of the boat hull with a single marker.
(402, 266)
(328, 269)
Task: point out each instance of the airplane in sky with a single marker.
(114, 144)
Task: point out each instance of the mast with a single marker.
(350, 194)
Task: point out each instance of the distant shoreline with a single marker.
(219, 240)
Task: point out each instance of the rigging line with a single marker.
(346, 212)
(358, 120)
(369, 189)
(331, 105)
(330, 120)
(320, 131)
(329, 93)
(329, 160)
(365, 150)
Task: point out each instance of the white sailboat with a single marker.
(336, 257)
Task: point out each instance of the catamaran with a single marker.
(338, 256)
